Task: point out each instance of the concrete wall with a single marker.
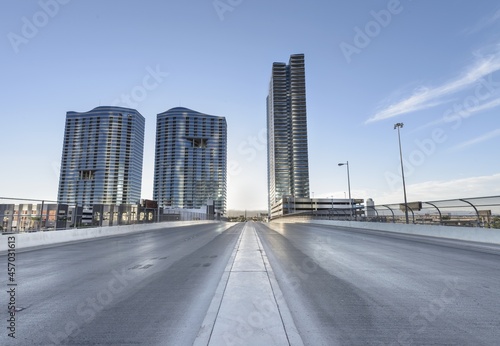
(482, 235)
(27, 240)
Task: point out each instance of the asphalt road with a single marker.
(152, 288)
(370, 288)
(341, 287)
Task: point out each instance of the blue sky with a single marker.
(435, 66)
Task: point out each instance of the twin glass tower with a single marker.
(102, 157)
(190, 159)
(103, 154)
(288, 163)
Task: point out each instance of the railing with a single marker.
(18, 215)
(467, 212)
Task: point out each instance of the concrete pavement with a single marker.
(213, 285)
(359, 287)
(251, 309)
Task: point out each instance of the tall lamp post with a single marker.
(332, 209)
(348, 186)
(400, 126)
(312, 204)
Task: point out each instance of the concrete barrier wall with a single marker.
(475, 234)
(28, 240)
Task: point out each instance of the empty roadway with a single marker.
(149, 288)
(348, 287)
(342, 287)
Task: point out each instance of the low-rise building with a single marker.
(328, 207)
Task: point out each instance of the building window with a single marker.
(198, 142)
(86, 174)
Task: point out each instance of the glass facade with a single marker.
(288, 162)
(190, 159)
(102, 157)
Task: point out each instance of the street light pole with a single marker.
(348, 187)
(312, 204)
(400, 126)
(332, 208)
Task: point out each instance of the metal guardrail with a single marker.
(467, 212)
(471, 212)
(19, 215)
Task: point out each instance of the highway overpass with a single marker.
(256, 284)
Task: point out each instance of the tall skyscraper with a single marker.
(190, 159)
(288, 163)
(102, 157)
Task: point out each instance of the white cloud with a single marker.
(480, 139)
(430, 124)
(466, 113)
(428, 97)
(483, 107)
(483, 23)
